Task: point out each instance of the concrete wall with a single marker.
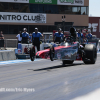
(7, 55)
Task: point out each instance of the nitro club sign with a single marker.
(71, 2)
(22, 17)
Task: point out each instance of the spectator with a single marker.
(19, 38)
(36, 38)
(88, 36)
(1, 35)
(2, 40)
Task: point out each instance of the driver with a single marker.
(36, 38)
(58, 36)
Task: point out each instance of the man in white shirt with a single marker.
(19, 38)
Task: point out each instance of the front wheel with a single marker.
(52, 53)
(32, 53)
(67, 62)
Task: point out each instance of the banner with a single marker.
(15, 1)
(43, 1)
(71, 2)
(22, 17)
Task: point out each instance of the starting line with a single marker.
(16, 61)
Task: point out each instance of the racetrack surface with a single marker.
(50, 80)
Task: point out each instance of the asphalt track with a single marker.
(49, 80)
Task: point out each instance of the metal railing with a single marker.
(8, 43)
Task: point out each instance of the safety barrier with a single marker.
(7, 55)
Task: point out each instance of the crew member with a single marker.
(19, 38)
(58, 36)
(25, 36)
(80, 36)
(89, 35)
(36, 38)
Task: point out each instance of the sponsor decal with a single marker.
(71, 2)
(43, 1)
(17, 1)
(67, 1)
(22, 17)
(58, 55)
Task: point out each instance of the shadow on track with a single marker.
(58, 66)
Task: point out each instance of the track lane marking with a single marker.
(16, 61)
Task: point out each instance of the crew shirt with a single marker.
(36, 35)
(19, 37)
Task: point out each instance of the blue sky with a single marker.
(94, 8)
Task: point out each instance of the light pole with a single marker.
(91, 29)
(63, 21)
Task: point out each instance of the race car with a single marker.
(68, 51)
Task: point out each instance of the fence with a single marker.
(8, 43)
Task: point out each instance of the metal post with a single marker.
(63, 27)
(63, 21)
(91, 29)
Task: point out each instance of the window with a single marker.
(87, 10)
(4, 28)
(83, 10)
(24, 8)
(13, 7)
(61, 9)
(76, 10)
(68, 9)
(13, 29)
(4, 7)
(34, 8)
(42, 8)
(53, 9)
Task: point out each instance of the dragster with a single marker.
(68, 51)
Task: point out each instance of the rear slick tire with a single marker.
(90, 54)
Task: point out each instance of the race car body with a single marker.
(68, 51)
(64, 51)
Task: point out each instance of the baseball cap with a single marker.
(60, 29)
(36, 28)
(24, 29)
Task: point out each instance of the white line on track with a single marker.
(16, 61)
